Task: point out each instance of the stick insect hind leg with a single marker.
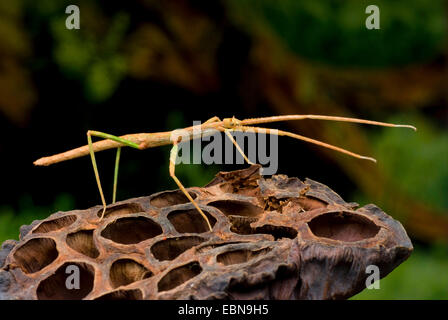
(172, 169)
(173, 156)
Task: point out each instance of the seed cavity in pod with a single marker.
(82, 242)
(131, 230)
(190, 221)
(170, 249)
(71, 281)
(242, 225)
(36, 254)
(55, 224)
(126, 271)
(343, 226)
(121, 209)
(239, 256)
(171, 198)
(179, 275)
(309, 203)
(237, 208)
(278, 232)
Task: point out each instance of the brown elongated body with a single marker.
(149, 140)
(157, 139)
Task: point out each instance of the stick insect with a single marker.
(150, 140)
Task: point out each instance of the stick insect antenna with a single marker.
(248, 122)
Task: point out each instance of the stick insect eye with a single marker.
(230, 123)
(227, 123)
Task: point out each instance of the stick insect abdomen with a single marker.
(148, 139)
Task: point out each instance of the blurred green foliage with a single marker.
(92, 54)
(334, 32)
(11, 219)
(423, 276)
(419, 166)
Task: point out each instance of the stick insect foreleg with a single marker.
(247, 124)
(103, 135)
(250, 122)
(303, 138)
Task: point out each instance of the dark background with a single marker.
(149, 66)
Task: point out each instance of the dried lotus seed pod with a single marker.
(272, 238)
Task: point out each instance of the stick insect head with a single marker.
(230, 123)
